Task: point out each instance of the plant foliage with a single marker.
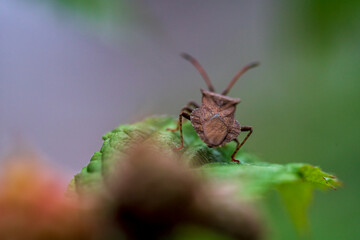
(295, 181)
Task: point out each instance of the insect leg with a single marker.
(193, 103)
(187, 108)
(238, 146)
(178, 123)
(187, 116)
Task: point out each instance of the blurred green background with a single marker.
(303, 101)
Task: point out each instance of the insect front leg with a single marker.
(239, 145)
(190, 106)
(192, 103)
(187, 116)
(186, 108)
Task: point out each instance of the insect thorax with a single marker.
(218, 100)
(215, 118)
(214, 103)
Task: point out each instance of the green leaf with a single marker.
(297, 197)
(120, 140)
(295, 181)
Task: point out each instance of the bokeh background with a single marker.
(72, 70)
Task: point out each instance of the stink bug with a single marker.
(214, 119)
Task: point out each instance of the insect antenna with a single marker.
(238, 75)
(200, 69)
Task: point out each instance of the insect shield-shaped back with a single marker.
(214, 120)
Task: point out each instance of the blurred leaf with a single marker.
(253, 179)
(297, 197)
(321, 23)
(197, 232)
(295, 183)
(112, 20)
(94, 9)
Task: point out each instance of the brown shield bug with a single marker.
(214, 119)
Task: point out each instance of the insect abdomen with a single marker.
(215, 130)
